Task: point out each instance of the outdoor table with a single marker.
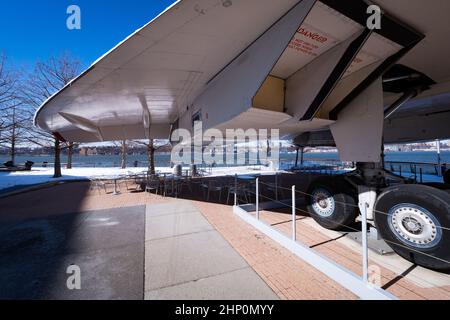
(249, 178)
(115, 179)
(115, 188)
(246, 178)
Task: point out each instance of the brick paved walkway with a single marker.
(287, 275)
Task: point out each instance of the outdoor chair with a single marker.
(185, 183)
(212, 186)
(98, 184)
(135, 183)
(170, 186)
(124, 180)
(152, 184)
(241, 190)
(140, 180)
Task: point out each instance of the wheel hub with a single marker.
(415, 226)
(323, 202)
(412, 225)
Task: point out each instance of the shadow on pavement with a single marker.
(42, 233)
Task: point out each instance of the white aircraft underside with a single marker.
(265, 64)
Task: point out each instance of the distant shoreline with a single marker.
(2, 155)
(164, 159)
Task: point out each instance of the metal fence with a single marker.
(417, 170)
(358, 285)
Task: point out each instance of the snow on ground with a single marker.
(45, 175)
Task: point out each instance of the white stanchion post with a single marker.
(235, 190)
(257, 198)
(294, 216)
(276, 186)
(365, 248)
(438, 147)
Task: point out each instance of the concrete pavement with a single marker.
(182, 255)
(186, 258)
(107, 246)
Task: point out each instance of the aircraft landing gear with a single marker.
(331, 203)
(413, 219)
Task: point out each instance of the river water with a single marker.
(163, 160)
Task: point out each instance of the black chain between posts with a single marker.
(343, 225)
(350, 205)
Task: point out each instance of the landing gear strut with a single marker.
(411, 218)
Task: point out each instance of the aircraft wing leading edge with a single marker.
(163, 76)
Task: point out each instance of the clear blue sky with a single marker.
(33, 30)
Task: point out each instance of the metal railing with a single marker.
(341, 278)
(417, 170)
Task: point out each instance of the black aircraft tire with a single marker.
(413, 220)
(437, 185)
(337, 208)
(441, 186)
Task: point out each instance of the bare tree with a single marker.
(123, 147)
(14, 133)
(123, 154)
(13, 118)
(47, 78)
(152, 146)
(70, 148)
(8, 83)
